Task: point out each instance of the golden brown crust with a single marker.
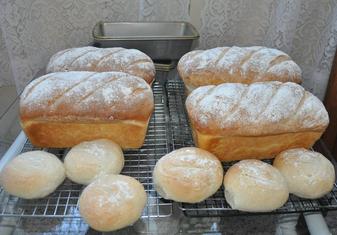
(127, 134)
(237, 64)
(230, 148)
(86, 97)
(94, 59)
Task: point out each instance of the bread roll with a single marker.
(112, 202)
(95, 59)
(237, 121)
(255, 186)
(90, 159)
(308, 174)
(66, 108)
(33, 174)
(238, 65)
(188, 175)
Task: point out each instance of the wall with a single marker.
(6, 76)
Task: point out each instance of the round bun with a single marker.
(255, 186)
(308, 174)
(89, 159)
(112, 202)
(32, 175)
(188, 175)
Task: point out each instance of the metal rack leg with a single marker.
(287, 224)
(316, 223)
(14, 149)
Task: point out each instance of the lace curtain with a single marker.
(33, 30)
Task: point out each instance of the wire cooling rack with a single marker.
(216, 205)
(139, 163)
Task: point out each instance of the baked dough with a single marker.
(255, 186)
(308, 174)
(33, 174)
(90, 159)
(236, 65)
(112, 202)
(188, 175)
(237, 121)
(131, 61)
(63, 109)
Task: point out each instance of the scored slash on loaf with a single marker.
(94, 59)
(236, 64)
(66, 108)
(236, 121)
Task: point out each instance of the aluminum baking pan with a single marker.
(159, 40)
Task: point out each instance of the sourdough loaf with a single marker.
(95, 59)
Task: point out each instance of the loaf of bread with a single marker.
(112, 202)
(238, 65)
(32, 175)
(308, 174)
(95, 59)
(188, 175)
(238, 121)
(66, 108)
(255, 186)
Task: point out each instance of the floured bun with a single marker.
(33, 174)
(90, 159)
(255, 186)
(308, 174)
(112, 202)
(188, 175)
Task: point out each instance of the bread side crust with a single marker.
(230, 148)
(53, 134)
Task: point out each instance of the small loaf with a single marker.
(236, 64)
(255, 186)
(95, 59)
(66, 108)
(308, 174)
(237, 121)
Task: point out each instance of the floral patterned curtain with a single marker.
(33, 30)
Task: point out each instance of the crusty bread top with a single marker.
(95, 59)
(264, 108)
(87, 96)
(237, 64)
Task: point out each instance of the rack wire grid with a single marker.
(216, 205)
(139, 163)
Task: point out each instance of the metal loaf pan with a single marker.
(159, 40)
